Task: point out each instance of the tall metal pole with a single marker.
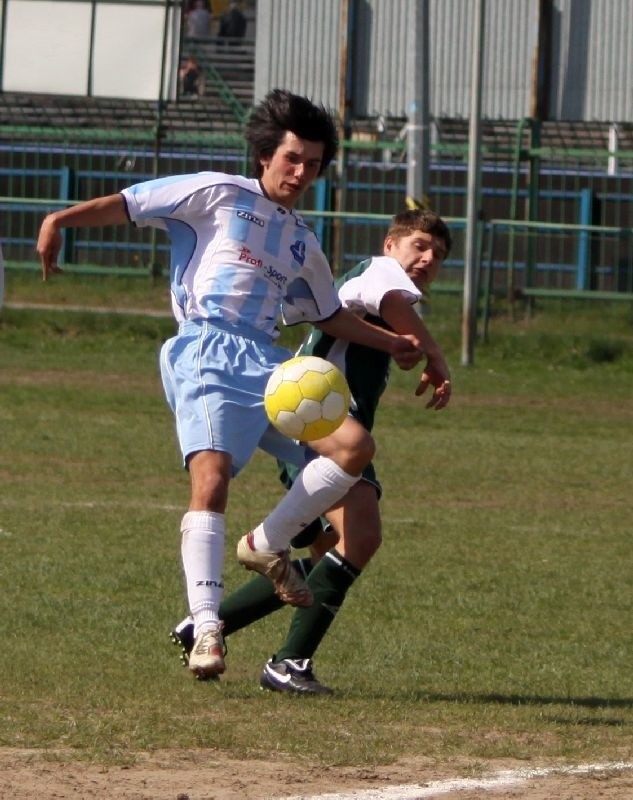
(154, 265)
(418, 135)
(471, 250)
(344, 100)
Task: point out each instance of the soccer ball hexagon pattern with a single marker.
(307, 398)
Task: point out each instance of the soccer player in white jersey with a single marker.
(239, 256)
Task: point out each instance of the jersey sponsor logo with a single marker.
(268, 271)
(298, 250)
(274, 276)
(250, 218)
(248, 258)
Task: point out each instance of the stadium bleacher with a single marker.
(229, 81)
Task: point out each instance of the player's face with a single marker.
(420, 253)
(291, 169)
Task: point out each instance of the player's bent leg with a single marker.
(319, 485)
(330, 581)
(247, 604)
(357, 519)
(351, 446)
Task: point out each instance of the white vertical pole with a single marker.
(612, 162)
(473, 190)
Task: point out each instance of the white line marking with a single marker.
(498, 780)
(134, 312)
(9, 503)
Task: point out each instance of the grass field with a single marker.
(495, 622)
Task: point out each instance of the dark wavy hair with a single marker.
(282, 111)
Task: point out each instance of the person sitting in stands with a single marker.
(191, 77)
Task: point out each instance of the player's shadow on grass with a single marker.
(525, 700)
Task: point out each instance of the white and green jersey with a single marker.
(361, 290)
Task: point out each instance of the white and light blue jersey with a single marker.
(237, 259)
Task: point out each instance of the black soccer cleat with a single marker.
(291, 676)
(182, 637)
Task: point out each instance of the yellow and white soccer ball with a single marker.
(307, 398)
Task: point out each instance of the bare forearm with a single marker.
(345, 325)
(109, 210)
(402, 317)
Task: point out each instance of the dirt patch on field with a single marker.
(39, 775)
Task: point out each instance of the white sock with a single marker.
(202, 549)
(319, 485)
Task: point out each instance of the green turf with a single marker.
(494, 622)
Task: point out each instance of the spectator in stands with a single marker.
(191, 77)
(232, 23)
(198, 21)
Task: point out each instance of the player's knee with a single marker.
(210, 491)
(362, 449)
(352, 447)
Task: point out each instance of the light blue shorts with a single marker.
(214, 381)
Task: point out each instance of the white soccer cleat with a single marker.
(206, 659)
(289, 585)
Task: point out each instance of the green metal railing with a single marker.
(554, 220)
(227, 95)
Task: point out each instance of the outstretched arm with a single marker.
(109, 210)
(406, 349)
(400, 315)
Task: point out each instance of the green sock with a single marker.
(254, 600)
(329, 580)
